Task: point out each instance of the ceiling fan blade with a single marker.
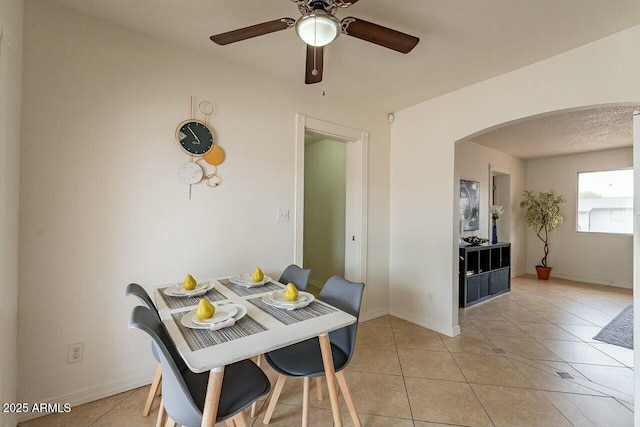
(253, 31)
(315, 57)
(379, 35)
(347, 3)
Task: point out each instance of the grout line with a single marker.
(131, 392)
(472, 390)
(404, 382)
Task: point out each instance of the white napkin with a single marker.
(225, 324)
(293, 305)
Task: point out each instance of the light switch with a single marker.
(282, 215)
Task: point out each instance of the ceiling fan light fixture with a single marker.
(318, 28)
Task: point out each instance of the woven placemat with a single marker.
(243, 291)
(181, 302)
(288, 317)
(197, 339)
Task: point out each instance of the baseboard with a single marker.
(91, 394)
(427, 323)
(588, 280)
(315, 283)
(372, 314)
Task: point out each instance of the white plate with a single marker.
(186, 319)
(223, 312)
(246, 280)
(276, 299)
(180, 291)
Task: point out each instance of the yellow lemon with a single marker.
(258, 275)
(205, 310)
(189, 283)
(291, 292)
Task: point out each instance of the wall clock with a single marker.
(194, 137)
(191, 173)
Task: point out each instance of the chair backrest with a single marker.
(133, 289)
(176, 396)
(347, 296)
(295, 275)
(139, 292)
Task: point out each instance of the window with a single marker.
(605, 201)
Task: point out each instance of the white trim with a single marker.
(587, 280)
(93, 393)
(373, 314)
(426, 323)
(298, 237)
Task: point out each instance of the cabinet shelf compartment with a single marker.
(484, 272)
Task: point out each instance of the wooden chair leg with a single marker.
(170, 422)
(306, 383)
(240, 419)
(229, 422)
(162, 415)
(275, 395)
(254, 405)
(153, 391)
(319, 387)
(348, 399)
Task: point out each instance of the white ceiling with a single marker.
(461, 41)
(563, 133)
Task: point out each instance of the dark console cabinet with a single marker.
(485, 271)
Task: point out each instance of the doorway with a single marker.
(353, 144)
(500, 195)
(325, 193)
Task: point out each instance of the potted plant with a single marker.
(542, 212)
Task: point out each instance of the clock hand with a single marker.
(194, 135)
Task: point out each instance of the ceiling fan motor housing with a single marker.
(318, 28)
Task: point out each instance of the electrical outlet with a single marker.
(75, 352)
(430, 297)
(282, 215)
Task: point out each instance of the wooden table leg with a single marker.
(305, 401)
(254, 405)
(212, 398)
(329, 370)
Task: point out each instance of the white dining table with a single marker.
(268, 332)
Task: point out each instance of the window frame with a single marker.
(577, 212)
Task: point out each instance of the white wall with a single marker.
(10, 100)
(423, 212)
(325, 188)
(102, 205)
(472, 162)
(585, 257)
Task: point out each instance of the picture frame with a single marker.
(470, 205)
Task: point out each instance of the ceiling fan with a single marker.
(318, 26)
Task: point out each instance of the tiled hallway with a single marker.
(505, 369)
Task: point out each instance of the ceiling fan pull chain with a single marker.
(314, 72)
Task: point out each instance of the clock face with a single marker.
(191, 173)
(194, 137)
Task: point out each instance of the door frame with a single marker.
(493, 172)
(357, 168)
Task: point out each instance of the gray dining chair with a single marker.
(184, 392)
(299, 277)
(296, 275)
(133, 289)
(304, 359)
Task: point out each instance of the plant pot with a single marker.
(543, 272)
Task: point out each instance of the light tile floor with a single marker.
(501, 371)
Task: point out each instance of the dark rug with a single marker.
(620, 330)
